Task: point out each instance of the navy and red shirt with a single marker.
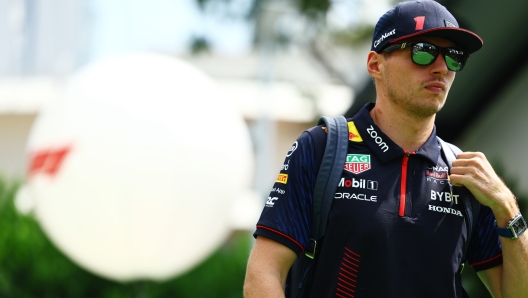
(396, 228)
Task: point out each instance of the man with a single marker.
(396, 228)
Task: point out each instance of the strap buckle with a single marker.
(461, 269)
(310, 249)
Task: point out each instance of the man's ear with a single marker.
(374, 61)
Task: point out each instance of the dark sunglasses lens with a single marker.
(424, 53)
(455, 59)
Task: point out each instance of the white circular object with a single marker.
(135, 168)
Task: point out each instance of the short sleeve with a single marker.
(485, 250)
(286, 217)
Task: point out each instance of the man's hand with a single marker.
(473, 170)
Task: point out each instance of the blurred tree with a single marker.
(200, 44)
(31, 266)
(313, 8)
(281, 24)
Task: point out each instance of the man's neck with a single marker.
(408, 132)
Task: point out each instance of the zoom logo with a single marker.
(377, 139)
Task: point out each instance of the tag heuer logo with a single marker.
(357, 163)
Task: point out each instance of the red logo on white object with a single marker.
(47, 161)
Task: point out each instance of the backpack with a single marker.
(299, 278)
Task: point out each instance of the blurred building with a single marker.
(43, 41)
(21, 99)
(44, 37)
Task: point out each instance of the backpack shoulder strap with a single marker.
(471, 206)
(331, 158)
(328, 177)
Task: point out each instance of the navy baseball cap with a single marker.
(422, 18)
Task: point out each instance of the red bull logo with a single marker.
(353, 134)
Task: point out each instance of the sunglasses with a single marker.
(423, 53)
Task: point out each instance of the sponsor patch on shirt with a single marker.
(357, 163)
(353, 134)
(283, 178)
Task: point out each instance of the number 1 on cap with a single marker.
(419, 22)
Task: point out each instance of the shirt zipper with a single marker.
(403, 186)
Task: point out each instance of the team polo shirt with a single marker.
(395, 229)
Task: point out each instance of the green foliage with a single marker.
(312, 8)
(511, 182)
(307, 7)
(352, 36)
(200, 44)
(473, 285)
(203, 3)
(31, 266)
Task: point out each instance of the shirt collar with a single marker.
(384, 148)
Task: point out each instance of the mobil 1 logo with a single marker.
(358, 183)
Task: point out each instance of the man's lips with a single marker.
(435, 86)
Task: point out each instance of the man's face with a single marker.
(419, 90)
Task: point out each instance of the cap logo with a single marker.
(419, 22)
(385, 35)
(449, 24)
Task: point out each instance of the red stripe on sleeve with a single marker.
(483, 262)
(282, 234)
